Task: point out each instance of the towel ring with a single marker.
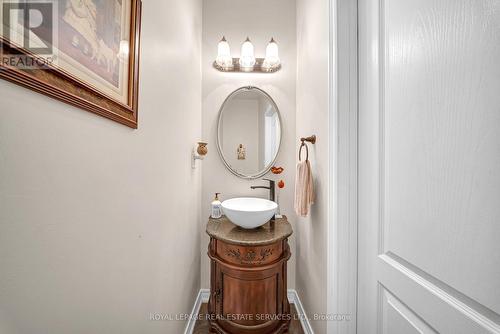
(310, 139)
(300, 151)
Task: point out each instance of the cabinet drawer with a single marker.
(248, 255)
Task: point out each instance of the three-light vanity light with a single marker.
(247, 61)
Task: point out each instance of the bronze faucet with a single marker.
(271, 189)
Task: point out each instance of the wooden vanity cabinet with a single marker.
(248, 287)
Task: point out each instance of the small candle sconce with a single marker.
(202, 148)
(199, 153)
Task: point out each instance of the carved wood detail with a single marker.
(249, 255)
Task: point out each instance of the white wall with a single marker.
(260, 20)
(312, 118)
(99, 224)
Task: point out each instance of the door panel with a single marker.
(398, 318)
(429, 166)
(253, 299)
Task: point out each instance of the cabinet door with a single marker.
(250, 298)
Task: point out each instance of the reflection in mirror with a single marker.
(249, 132)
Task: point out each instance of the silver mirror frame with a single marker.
(219, 121)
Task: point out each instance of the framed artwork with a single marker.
(81, 52)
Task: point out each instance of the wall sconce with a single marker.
(198, 154)
(224, 59)
(272, 59)
(247, 62)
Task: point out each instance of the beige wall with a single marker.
(312, 118)
(92, 212)
(260, 20)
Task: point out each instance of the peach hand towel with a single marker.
(304, 193)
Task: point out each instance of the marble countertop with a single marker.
(223, 229)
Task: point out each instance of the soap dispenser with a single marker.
(216, 207)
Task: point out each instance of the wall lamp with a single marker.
(247, 61)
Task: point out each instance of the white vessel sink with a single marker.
(249, 212)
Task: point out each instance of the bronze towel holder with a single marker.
(312, 140)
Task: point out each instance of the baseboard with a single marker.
(202, 297)
(292, 295)
(293, 298)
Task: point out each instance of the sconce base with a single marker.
(195, 156)
(258, 68)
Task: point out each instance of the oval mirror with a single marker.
(249, 132)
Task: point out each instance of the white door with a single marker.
(429, 166)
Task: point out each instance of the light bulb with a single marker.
(272, 55)
(224, 58)
(247, 59)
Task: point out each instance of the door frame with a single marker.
(343, 166)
